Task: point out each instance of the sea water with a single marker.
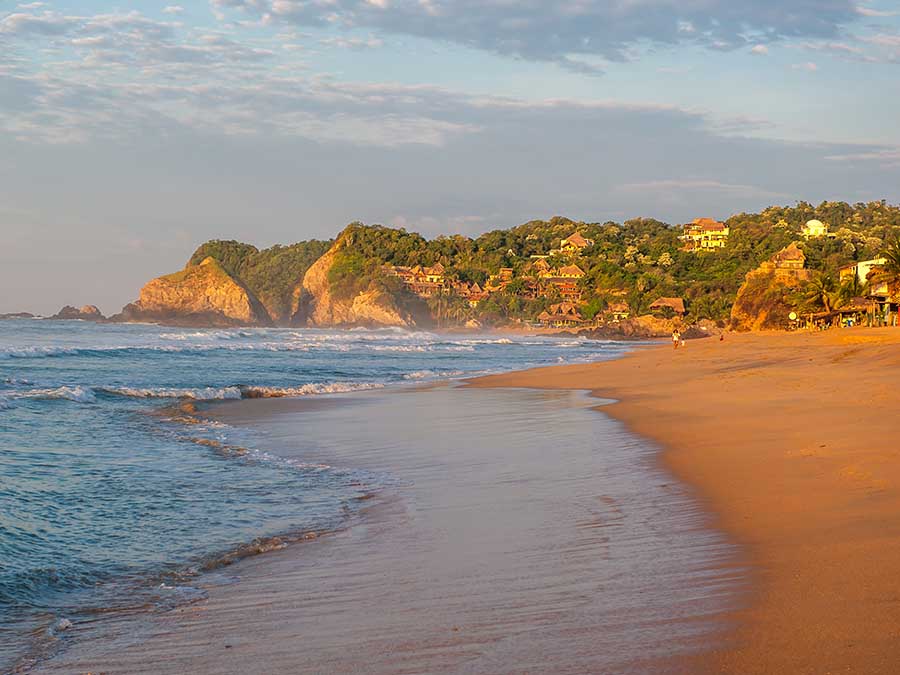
(113, 495)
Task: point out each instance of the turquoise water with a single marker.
(112, 496)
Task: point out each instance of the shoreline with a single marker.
(487, 625)
(790, 441)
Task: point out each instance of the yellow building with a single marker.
(860, 269)
(705, 234)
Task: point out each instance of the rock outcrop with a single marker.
(315, 304)
(764, 301)
(203, 294)
(86, 313)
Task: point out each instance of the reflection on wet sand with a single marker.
(524, 532)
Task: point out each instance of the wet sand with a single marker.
(520, 531)
(793, 441)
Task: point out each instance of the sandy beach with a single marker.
(517, 531)
(792, 442)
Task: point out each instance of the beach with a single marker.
(729, 506)
(514, 531)
(791, 441)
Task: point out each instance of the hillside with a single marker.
(560, 272)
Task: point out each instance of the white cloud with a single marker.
(173, 9)
(871, 12)
(884, 157)
(809, 66)
(760, 50)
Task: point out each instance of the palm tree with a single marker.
(819, 292)
(851, 288)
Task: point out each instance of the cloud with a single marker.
(870, 12)
(888, 158)
(809, 66)
(671, 188)
(353, 43)
(555, 31)
(760, 50)
(173, 9)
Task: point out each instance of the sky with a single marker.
(132, 132)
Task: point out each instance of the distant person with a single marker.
(676, 338)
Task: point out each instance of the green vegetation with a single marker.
(634, 262)
(271, 274)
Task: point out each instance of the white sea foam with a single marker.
(78, 394)
(429, 374)
(198, 394)
(310, 389)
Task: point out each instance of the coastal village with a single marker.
(555, 276)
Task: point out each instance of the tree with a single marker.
(819, 292)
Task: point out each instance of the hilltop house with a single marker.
(569, 272)
(705, 234)
(616, 312)
(574, 243)
(788, 262)
(424, 282)
(434, 274)
(815, 229)
(668, 305)
(561, 315)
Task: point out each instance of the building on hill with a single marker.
(813, 229)
(789, 260)
(540, 266)
(705, 234)
(561, 315)
(570, 272)
(616, 312)
(567, 289)
(505, 274)
(860, 269)
(575, 243)
(434, 274)
(666, 305)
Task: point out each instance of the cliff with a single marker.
(315, 302)
(767, 297)
(203, 294)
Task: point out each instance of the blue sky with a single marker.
(130, 133)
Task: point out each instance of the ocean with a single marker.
(115, 495)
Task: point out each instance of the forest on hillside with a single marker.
(636, 261)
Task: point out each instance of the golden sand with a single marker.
(793, 440)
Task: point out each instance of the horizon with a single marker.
(133, 136)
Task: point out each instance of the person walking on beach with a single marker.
(676, 338)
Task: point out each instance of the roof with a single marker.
(676, 304)
(435, 269)
(788, 253)
(571, 270)
(618, 307)
(707, 224)
(576, 240)
(564, 309)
